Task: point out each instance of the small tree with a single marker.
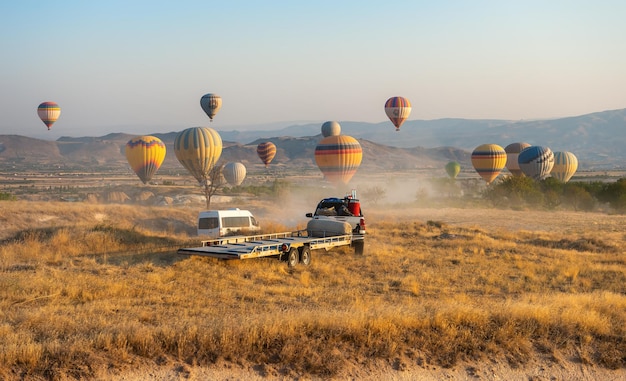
(213, 182)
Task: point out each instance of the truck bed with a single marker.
(243, 247)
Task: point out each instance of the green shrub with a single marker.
(4, 196)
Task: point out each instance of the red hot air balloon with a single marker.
(398, 110)
(48, 112)
(266, 152)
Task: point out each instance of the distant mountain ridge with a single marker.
(597, 140)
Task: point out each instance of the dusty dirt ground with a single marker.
(402, 370)
(493, 370)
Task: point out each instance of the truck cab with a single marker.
(347, 209)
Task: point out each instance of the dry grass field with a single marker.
(94, 291)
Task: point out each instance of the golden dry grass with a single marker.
(96, 288)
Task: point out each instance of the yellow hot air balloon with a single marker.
(198, 149)
(338, 157)
(145, 154)
(211, 104)
(266, 152)
(48, 112)
(488, 160)
(565, 166)
(398, 110)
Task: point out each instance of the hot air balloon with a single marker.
(266, 152)
(536, 162)
(452, 169)
(397, 110)
(234, 173)
(198, 149)
(338, 157)
(145, 155)
(211, 104)
(512, 152)
(48, 112)
(565, 165)
(488, 160)
(331, 128)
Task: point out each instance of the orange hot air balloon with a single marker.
(48, 112)
(338, 157)
(489, 160)
(145, 154)
(398, 110)
(266, 152)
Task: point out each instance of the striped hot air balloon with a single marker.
(488, 160)
(211, 104)
(145, 154)
(398, 110)
(48, 112)
(266, 152)
(536, 162)
(198, 149)
(565, 166)
(338, 157)
(452, 169)
(331, 128)
(234, 173)
(512, 152)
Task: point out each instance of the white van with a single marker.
(220, 223)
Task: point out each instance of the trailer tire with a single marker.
(305, 255)
(293, 257)
(359, 247)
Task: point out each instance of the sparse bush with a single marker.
(614, 194)
(276, 189)
(516, 191)
(578, 197)
(5, 196)
(551, 194)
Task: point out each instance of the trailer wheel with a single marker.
(305, 255)
(293, 257)
(359, 247)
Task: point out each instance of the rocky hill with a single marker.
(297, 152)
(596, 139)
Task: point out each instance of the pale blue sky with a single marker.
(142, 66)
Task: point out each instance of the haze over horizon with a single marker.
(141, 67)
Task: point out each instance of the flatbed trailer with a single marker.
(293, 247)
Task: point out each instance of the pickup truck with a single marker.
(348, 210)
